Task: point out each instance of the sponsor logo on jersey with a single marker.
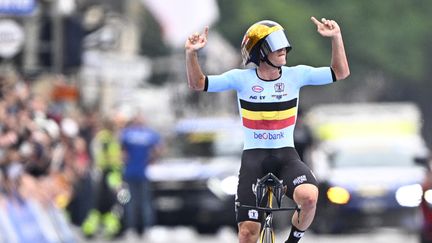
(279, 96)
(298, 234)
(253, 214)
(257, 89)
(279, 87)
(269, 135)
(299, 180)
(255, 97)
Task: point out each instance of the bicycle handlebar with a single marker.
(266, 209)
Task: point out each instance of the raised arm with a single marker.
(339, 62)
(195, 76)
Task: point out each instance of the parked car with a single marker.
(426, 206)
(195, 183)
(364, 156)
(370, 183)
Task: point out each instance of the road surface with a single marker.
(188, 235)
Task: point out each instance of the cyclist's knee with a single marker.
(306, 195)
(248, 230)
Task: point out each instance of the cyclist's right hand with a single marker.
(197, 41)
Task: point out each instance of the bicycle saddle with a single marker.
(261, 188)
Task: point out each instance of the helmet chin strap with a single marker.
(265, 59)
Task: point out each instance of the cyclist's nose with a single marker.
(282, 50)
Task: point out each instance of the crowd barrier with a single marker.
(24, 221)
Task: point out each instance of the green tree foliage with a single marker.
(154, 46)
(389, 35)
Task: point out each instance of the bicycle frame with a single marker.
(267, 234)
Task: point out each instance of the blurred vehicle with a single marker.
(367, 184)
(365, 159)
(195, 183)
(426, 205)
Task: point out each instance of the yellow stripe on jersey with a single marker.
(268, 115)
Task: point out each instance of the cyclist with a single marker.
(268, 99)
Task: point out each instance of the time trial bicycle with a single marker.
(269, 188)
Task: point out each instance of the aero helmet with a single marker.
(262, 38)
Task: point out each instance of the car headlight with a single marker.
(409, 196)
(229, 185)
(428, 196)
(225, 187)
(338, 195)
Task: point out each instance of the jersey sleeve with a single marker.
(222, 82)
(315, 76)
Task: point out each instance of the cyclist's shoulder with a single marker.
(296, 68)
(238, 71)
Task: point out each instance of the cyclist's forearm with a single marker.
(339, 62)
(195, 77)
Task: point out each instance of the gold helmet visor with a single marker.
(258, 32)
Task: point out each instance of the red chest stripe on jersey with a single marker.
(268, 124)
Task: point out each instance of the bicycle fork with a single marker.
(267, 233)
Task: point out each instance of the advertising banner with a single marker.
(17, 7)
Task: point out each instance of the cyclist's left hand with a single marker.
(326, 28)
(197, 41)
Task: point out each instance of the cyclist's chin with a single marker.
(280, 61)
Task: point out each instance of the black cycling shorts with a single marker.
(285, 163)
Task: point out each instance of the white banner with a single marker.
(179, 19)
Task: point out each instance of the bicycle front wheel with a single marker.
(267, 235)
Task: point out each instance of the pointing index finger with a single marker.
(315, 21)
(206, 30)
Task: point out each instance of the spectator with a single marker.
(141, 146)
(79, 159)
(107, 153)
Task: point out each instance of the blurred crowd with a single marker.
(60, 165)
